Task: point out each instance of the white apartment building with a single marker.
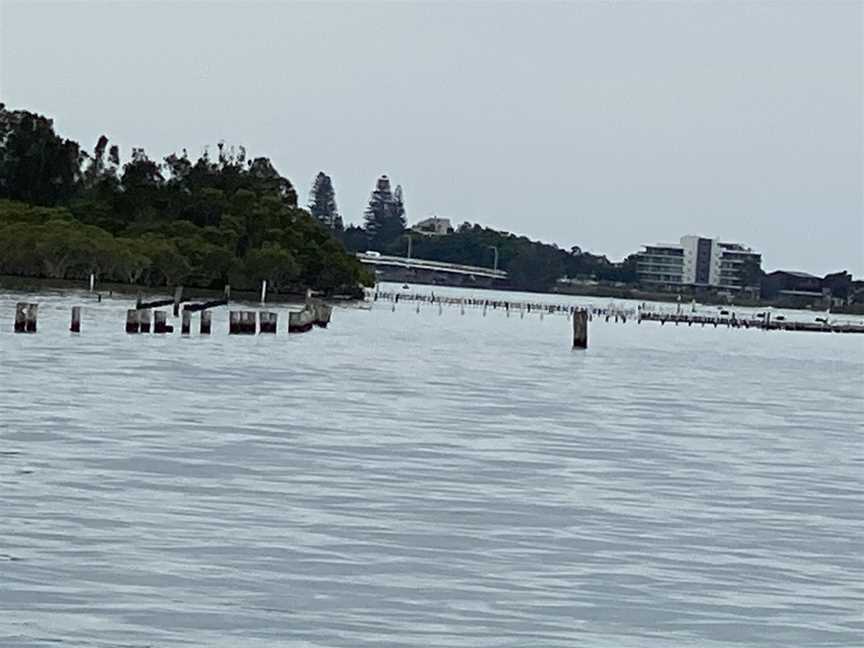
(699, 261)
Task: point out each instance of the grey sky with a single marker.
(607, 125)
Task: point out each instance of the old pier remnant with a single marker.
(144, 320)
(133, 320)
(25, 317)
(241, 323)
(205, 322)
(580, 329)
(267, 322)
(160, 322)
(75, 324)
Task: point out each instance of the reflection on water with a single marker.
(406, 479)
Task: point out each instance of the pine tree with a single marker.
(385, 214)
(323, 202)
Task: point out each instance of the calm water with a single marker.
(425, 480)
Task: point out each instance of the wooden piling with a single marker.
(21, 317)
(267, 322)
(205, 322)
(160, 322)
(25, 317)
(323, 313)
(580, 330)
(242, 323)
(133, 320)
(185, 322)
(301, 321)
(75, 325)
(178, 297)
(144, 319)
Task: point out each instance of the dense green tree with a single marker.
(36, 165)
(201, 222)
(385, 217)
(322, 202)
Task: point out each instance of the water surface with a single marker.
(416, 479)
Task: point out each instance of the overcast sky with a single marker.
(606, 125)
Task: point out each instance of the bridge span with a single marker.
(394, 268)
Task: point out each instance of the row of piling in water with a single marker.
(613, 313)
(144, 319)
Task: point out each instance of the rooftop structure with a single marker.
(433, 226)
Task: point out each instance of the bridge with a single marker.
(393, 268)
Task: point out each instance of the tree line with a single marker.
(222, 218)
(66, 212)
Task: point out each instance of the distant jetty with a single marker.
(766, 320)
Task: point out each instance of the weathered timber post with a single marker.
(75, 326)
(20, 317)
(267, 322)
(133, 320)
(25, 317)
(144, 318)
(205, 322)
(263, 291)
(30, 323)
(92, 281)
(178, 297)
(185, 322)
(580, 330)
(160, 322)
(248, 322)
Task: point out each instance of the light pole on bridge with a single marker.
(495, 249)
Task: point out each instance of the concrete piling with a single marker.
(205, 322)
(185, 322)
(133, 320)
(75, 325)
(160, 322)
(267, 322)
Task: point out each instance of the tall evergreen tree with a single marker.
(385, 216)
(322, 203)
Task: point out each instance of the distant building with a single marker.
(433, 226)
(699, 261)
(803, 289)
(661, 266)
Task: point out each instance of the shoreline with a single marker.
(111, 289)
